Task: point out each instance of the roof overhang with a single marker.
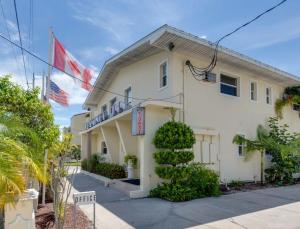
(186, 43)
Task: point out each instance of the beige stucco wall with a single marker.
(219, 117)
(77, 125)
(21, 215)
(142, 77)
(206, 107)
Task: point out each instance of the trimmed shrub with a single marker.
(174, 135)
(173, 192)
(173, 173)
(204, 180)
(173, 158)
(185, 181)
(112, 171)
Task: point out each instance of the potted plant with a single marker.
(131, 162)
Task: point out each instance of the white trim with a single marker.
(238, 86)
(271, 95)
(237, 148)
(168, 77)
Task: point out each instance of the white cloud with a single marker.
(203, 37)
(111, 50)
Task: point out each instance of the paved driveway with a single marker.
(267, 208)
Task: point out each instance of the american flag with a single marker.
(58, 95)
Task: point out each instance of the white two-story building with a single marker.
(152, 74)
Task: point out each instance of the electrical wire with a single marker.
(199, 72)
(8, 33)
(21, 43)
(80, 80)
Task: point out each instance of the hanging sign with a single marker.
(138, 121)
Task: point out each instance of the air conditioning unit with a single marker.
(210, 77)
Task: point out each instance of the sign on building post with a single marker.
(138, 121)
(83, 198)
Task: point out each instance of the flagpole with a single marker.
(47, 100)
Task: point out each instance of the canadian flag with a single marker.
(66, 62)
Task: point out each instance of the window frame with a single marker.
(160, 87)
(243, 146)
(270, 96)
(256, 90)
(238, 82)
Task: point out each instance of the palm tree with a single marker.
(20, 158)
(259, 144)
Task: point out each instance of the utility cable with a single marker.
(203, 71)
(80, 80)
(21, 43)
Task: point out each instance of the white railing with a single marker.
(116, 109)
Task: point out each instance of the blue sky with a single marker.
(94, 30)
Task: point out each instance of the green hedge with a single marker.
(173, 158)
(173, 192)
(174, 135)
(172, 173)
(84, 164)
(204, 180)
(112, 171)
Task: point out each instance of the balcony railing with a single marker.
(116, 109)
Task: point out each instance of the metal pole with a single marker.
(74, 224)
(94, 216)
(33, 80)
(47, 100)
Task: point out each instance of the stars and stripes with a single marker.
(58, 95)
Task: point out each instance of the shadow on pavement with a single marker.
(156, 213)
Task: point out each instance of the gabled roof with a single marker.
(159, 40)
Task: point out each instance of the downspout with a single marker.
(183, 105)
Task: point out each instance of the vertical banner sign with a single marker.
(138, 121)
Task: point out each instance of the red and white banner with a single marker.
(66, 62)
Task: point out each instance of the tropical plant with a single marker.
(35, 114)
(60, 171)
(20, 158)
(283, 146)
(291, 95)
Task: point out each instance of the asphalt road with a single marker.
(266, 208)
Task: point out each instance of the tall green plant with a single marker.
(20, 158)
(291, 95)
(173, 141)
(283, 146)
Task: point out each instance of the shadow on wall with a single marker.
(156, 213)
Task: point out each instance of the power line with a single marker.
(203, 71)
(8, 33)
(80, 80)
(21, 43)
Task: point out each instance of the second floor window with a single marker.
(253, 91)
(268, 95)
(229, 85)
(163, 75)
(128, 97)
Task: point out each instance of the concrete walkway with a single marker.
(266, 208)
